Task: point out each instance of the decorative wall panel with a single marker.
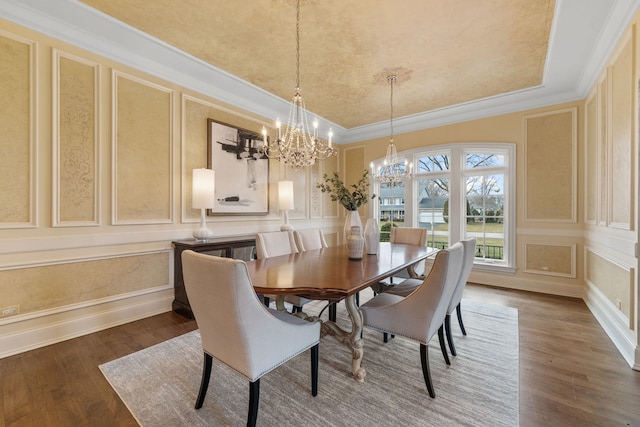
(552, 259)
(75, 141)
(591, 158)
(315, 195)
(17, 139)
(329, 208)
(612, 279)
(47, 287)
(621, 188)
(603, 150)
(551, 165)
(142, 151)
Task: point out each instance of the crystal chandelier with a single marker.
(298, 147)
(393, 171)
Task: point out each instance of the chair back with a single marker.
(236, 328)
(309, 239)
(419, 315)
(467, 264)
(408, 235)
(275, 244)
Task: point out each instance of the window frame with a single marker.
(457, 175)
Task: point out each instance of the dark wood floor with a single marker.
(570, 372)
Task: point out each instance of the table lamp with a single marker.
(203, 197)
(285, 202)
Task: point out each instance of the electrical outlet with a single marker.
(10, 311)
(618, 304)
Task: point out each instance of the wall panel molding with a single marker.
(142, 156)
(551, 182)
(591, 158)
(549, 258)
(75, 141)
(621, 163)
(19, 123)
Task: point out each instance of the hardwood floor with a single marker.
(570, 372)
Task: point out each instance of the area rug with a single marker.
(480, 388)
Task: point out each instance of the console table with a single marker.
(241, 248)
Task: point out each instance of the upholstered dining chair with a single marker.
(408, 286)
(278, 243)
(309, 239)
(238, 330)
(421, 314)
(410, 236)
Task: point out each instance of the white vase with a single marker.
(355, 243)
(353, 219)
(371, 236)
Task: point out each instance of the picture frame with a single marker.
(242, 171)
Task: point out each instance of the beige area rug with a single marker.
(159, 384)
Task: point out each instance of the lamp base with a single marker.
(286, 227)
(202, 233)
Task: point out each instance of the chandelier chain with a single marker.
(298, 46)
(392, 171)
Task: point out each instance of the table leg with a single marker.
(280, 303)
(353, 339)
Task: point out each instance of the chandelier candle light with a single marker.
(298, 147)
(393, 171)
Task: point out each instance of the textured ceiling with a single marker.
(446, 52)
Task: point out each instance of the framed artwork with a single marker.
(242, 172)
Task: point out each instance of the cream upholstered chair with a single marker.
(408, 286)
(275, 244)
(309, 239)
(238, 330)
(421, 314)
(410, 236)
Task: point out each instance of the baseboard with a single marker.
(523, 284)
(612, 323)
(27, 332)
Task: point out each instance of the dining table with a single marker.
(329, 274)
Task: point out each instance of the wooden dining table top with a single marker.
(328, 273)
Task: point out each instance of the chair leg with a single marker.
(443, 346)
(314, 369)
(459, 313)
(204, 383)
(447, 328)
(254, 399)
(333, 310)
(266, 301)
(424, 358)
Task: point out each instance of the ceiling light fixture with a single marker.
(298, 147)
(393, 171)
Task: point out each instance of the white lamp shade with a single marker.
(203, 189)
(285, 195)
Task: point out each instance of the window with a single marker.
(457, 191)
